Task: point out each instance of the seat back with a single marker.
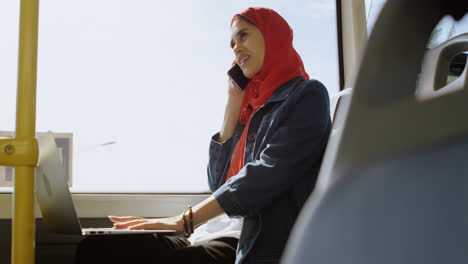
(397, 186)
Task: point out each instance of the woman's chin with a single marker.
(248, 74)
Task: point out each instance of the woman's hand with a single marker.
(137, 223)
(232, 111)
(234, 90)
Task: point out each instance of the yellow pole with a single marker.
(23, 201)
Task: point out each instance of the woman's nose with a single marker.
(237, 48)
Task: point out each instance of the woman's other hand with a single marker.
(137, 223)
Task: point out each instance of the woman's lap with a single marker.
(151, 249)
(222, 250)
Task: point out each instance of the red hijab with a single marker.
(281, 64)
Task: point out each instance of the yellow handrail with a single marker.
(23, 217)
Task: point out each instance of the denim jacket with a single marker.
(286, 140)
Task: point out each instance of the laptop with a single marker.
(54, 198)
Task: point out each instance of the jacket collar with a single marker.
(282, 92)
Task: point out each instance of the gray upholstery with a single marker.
(396, 188)
(411, 209)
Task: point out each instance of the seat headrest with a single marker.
(436, 62)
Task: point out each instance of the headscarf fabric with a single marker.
(281, 64)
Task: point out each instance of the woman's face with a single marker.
(248, 45)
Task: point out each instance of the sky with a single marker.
(149, 76)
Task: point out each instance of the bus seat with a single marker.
(435, 67)
(337, 100)
(400, 187)
(339, 105)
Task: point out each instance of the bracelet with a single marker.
(188, 225)
(191, 219)
(185, 225)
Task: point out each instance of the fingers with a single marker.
(118, 219)
(150, 224)
(144, 226)
(131, 222)
(124, 225)
(139, 225)
(234, 89)
(232, 83)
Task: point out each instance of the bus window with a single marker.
(142, 85)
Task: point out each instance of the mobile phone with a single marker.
(238, 76)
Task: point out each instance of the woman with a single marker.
(263, 163)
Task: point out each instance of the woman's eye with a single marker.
(242, 35)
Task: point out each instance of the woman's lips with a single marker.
(242, 59)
